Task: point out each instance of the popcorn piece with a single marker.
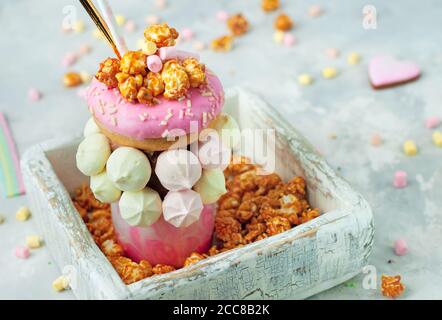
(222, 16)
(21, 252)
(222, 44)
(134, 63)
(34, 94)
(277, 225)
(391, 286)
(289, 40)
(432, 122)
(315, 11)
(162, 268)
(145, 96)
(400, 247)
(332, 53)
(161, 34)
(410, 148)
(329, 73)
(376, 140)
(238, 24)
(154, 83)
(60, 284)
(437, 138)
(107, 72)
(278, 36)
(111, 248)
(283, 22)
(196, 72)
(120, 19)
(269, 5)
(23, 214)
(176, 80)
(353, 58)
(193, 258)
(400, 179)
(305, 79)
(148, 47)
(33, 241)
(129, 85)
(72, 79)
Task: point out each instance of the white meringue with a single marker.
(213, 153)
(211, 186)
(229, 131)
(104, 189)
(92, 154)
(182, 208)
(178, 169)
(91, 127)
(129, 169)
(140, 208)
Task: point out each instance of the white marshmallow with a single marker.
(140, 208)
(91, 127)
(178, 169)
(213, 154)
(129, 169)
(211, 186)
(92, 154)
(104, 189)
(182, 208)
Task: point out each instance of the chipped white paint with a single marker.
(296, 264)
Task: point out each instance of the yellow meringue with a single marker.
(211, 186)
(92, 154)
(104, 189)
(90, 127)
(140, 208)
(229, 131)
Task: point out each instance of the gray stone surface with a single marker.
(32, 47)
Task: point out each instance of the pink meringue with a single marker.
(178, 169)
(213, 154)
(182, 208)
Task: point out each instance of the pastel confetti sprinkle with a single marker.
(60, 284)
(22, 214)
(315, 11)
(84, 49)
(289, 40)
(21, 252)
(437, 138)
(130, 26)
(222, 16)
(410, 148)
(278, 37)
(187, 34)
(10, 178)
(152, 19)
(33, 241)
(78, 26)
(400, 247)
(161, 4)
(199, 46)
(400, 179)
(305, 79)
(353, 58)
(332, 53)
(432, 122)
(34, 95)
(329, 72)
(69, 59)
(376, 140)
(120, 19)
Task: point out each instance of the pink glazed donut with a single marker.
(157, 127)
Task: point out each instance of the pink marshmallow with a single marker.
(288, 40)
(22, 252)
(400, 179)
(34, 95)
(154, 63)
(432, 122)
(187, 34)
(167, 53)
(69, 59)
(400, 247)
(222, 15)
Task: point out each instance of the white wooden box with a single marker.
(296, 264)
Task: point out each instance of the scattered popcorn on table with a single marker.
(289, 40)
(353, 58)
(72, 79)
(315, 11)
(332, 53)
(400, 247)
(60, 284)
(120, 19)
(270, 5)
(238, 24)
(222, 16)
(23, 214)
(329, 72)
(391, 286)
(283, 22)
(410, 148)
(222, 44)
(278, 36)
(400, 179)
(305, 79)
(34, 94)
(21, 252)
(33, 241)
(432, 122)
(437, 138)
(376, 140)
(78, 26)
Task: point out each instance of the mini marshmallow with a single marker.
(60, 284)
(22, 214)
(187, 34)
(69, 59)
(152, 19)
(278, 36)
(182, 208)
(130, 26)
(120, 19)
(332, 53)
(289, 40)
(400, 179)
(92, 154)
(91, 127)
(229, 131)
(376, 140)
(140, 208)
(129, 169)
(213, 153)
(305, 79)
(160, 4)
(353, 58)
(78, 26)
(104, 189)
(178, 169)
(211, 186)
(315, 11)
(400, 247)
(168, 53)
(33, 241)
(199, 45)
(22, 252)
(432, 122)
(437, 138)
(329, 72)
(148, 47)
(34, 95)
(410, 148)
(222, 15)
(84, 49)
(154, 63)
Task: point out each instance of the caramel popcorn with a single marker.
(176, 80)
(133, 63)
(283, 22)
(391, 286)
(193, 258)
(161, 34)
(277, 225)
(130, 271)
(269, 5)
(154, 83)
(108, 69)
(162, 268)
(238, 24)
(111, 249)
(72, 79)
(129, 85)
(222, 44)
(145, 96)
(196, 72)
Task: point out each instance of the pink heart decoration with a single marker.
(385, 71)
